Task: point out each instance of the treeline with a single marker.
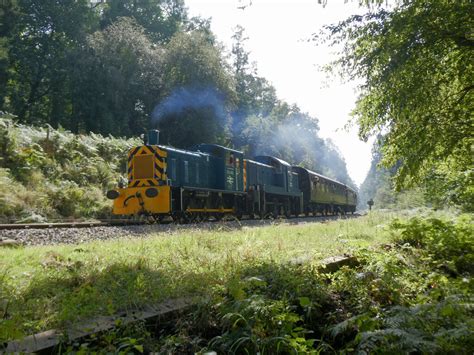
(120, 67)
(378, 186)
(440, 189)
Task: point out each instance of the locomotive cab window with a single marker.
(173, 169)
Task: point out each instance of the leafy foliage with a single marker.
(118, 77)
(449, 245)
(416, 61)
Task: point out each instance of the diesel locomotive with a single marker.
(210, 180)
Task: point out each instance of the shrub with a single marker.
(54, 173)
(449, 244)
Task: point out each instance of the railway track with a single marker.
(81, 232)
(12, 226)
(128, 222)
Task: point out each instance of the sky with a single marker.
(277, 32)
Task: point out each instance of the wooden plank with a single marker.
(52, 338)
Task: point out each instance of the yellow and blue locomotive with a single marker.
(212, 180)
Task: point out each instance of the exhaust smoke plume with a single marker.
(186, 98)
(192, 115)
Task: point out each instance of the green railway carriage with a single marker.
(272, 187)
(324, 195)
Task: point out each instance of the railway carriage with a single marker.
(324, 195)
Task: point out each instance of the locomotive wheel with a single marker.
(158, 218)
(274, 213)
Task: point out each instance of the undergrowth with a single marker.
(411, 291)
(47, 174)
(413, 295)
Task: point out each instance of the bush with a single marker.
(47, 173)
(449, 244)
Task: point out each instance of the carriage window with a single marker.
(173, 168)
(237, 163)
(186, 172)
(197, 173)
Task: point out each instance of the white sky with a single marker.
(277, 31)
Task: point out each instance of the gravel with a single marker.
(50, 236)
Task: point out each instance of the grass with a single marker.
(50, 286)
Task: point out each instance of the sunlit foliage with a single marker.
(416, 61)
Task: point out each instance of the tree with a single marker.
(198, 92)
(160, 18)
(417, 64)
(9, 13)
(118, 80)
(255, 95)
(40, 45)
